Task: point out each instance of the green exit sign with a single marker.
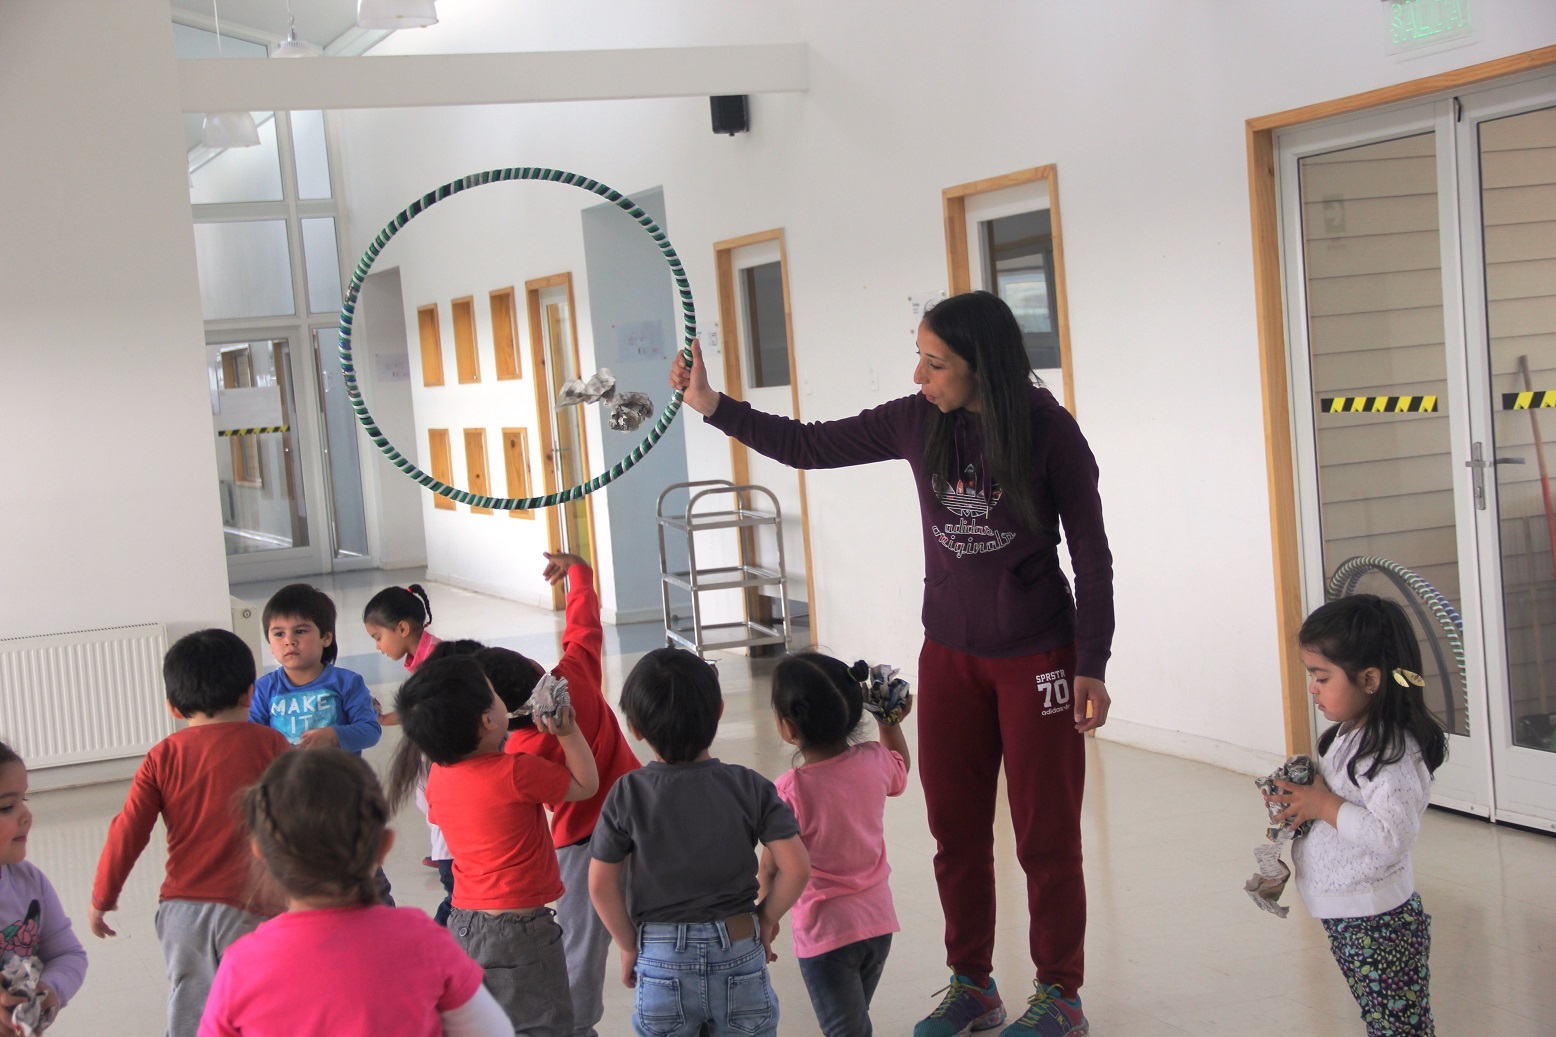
(1415, 24)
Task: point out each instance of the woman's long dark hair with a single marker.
(979, 328)
(1362, 632)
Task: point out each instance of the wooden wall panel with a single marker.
(467, 352)
(431, 345)
(505, 337)
(442, 460)
(515, 453)
(475, 467)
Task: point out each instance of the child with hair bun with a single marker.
(1373, 783)
(844, 919)
(319, 825)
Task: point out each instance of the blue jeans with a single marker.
(692, 973)
(841, 983)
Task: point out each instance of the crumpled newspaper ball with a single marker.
(1297, 770)
(885, 694)
(548, 698)
(21, 975)
(628, 410)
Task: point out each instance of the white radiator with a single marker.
(84, 696)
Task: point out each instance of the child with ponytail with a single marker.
(844, 919)
(1374, 779)
(319, 825)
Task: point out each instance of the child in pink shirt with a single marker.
(337, 961)
(844, 919)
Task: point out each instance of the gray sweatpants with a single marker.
(194, 935)
(524, 965)
(585, 940)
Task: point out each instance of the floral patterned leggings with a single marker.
(1384, 959)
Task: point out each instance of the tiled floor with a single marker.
(1174, 946)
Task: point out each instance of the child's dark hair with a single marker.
(318, 816)
(207, 672)
(303, 601)
(513, 674)
(440, 708)
(394, 605)
(8, 756)
(816, 694)
(672, 699)
(1362, 632)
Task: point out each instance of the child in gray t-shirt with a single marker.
(691, 825)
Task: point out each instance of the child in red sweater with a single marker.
(193, 779)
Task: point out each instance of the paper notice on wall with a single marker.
(249, 408)
(392, 367)
(641, 340)
(918, 303)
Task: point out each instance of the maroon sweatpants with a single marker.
(971, 712)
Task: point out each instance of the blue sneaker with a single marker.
(1049, 1014)
(964, 1008)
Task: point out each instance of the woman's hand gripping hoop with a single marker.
(493, 176)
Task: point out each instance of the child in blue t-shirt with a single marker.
(309, 699)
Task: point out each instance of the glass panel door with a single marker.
(342, 469)
(261, 484)
(1512, 158)
(1383, 376)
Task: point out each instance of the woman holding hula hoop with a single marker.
(1009, 657)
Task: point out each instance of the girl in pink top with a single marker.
(338, 963)
(396, 619)
(844, 920)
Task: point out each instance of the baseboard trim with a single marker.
(1237, 758)
(622, 617)
(74, 775)
(495, 590)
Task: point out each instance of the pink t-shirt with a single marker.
(841, 804)
(424, 647)
(345, 972)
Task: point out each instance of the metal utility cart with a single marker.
(720, 504)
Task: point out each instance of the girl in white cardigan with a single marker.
(1375, 774)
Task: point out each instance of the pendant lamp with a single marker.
(396, 14)
(227, 129)
(292, 47)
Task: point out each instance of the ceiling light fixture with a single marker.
(396, 14)
(227, 129)
(292, 47)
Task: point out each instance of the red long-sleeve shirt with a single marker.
(580, 665)
(194, 779)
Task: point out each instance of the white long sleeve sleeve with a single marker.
(481, 1016)
(1362, 866)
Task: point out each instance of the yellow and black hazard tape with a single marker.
(1377, 404)
(254, 431)
(1529, 400)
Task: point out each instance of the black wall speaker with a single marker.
(730, 114)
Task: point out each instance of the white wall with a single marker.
(110, 513)
(1141, 108)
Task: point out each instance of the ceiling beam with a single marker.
(435, 80)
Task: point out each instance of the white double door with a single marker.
(1419, 247)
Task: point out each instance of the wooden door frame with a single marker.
(958, 263)
(1269, 296)
(544, 405)
(734, 386)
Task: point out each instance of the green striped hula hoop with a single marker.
(1449, 623)
(426, 201)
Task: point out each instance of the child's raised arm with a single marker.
(577, 756)
(892, 737)
(791, 871)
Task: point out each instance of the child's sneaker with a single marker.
(1049, 1014)
(964, 1008)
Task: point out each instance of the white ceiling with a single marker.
(319, 22)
